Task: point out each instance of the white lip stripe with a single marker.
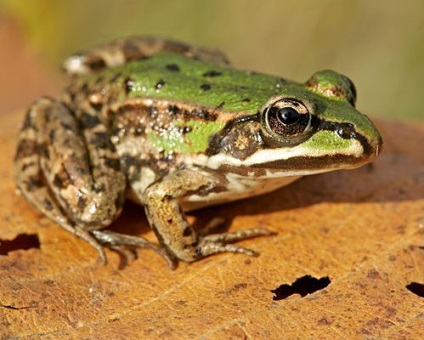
(270, 155)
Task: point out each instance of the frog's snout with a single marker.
(375, 146)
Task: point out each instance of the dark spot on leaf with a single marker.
(416, 288)
(302, 286)
(245, 100)
(20, 242)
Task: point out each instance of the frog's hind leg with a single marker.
(31, 181)
(76, 184)
(119, 52)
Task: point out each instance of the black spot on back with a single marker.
(205, 87)
(161, 83)
(212, 73)
(173, 67)
(128, 85)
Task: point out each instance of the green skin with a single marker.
(181, 129)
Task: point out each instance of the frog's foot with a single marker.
(221, 243)
(125, 245)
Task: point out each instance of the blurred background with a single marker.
(378, 44)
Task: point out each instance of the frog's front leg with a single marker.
(167, 219)
(70, 177)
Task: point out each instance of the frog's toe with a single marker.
(238, 235)
(124, 244)
(128, 254)
(222, 243)
(207, 248)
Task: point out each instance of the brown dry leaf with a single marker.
(361, 228)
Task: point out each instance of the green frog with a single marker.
(176, 128)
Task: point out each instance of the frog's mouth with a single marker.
(328, 149)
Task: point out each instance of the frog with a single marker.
(174, 128)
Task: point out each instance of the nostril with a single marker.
(346, 131)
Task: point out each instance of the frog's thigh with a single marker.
(119, 52)
(50, 165)
(171, 226)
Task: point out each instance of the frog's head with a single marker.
(305, 129)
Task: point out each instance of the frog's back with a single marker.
(181, 80)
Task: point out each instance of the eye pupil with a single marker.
(288, 115)
(287, 120)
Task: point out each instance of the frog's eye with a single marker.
(287, 119)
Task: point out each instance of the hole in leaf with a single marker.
(416, 288)
(302, 286)
(20, 242)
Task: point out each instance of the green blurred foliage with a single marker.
(379, 44)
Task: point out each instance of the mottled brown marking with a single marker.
(26, 148)
(61, 180)
(131, 51)
(95, 62)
